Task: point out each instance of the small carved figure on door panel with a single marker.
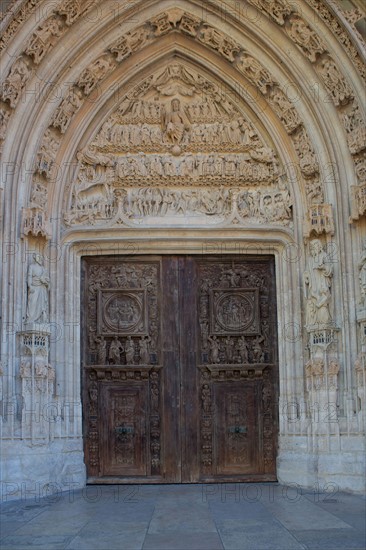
(101, 349)
(115, 350)
(214, 349)
(242, 348)
(144, 350)
(130, 350)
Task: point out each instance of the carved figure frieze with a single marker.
(69, 105)
(358, 201)
(123, 314)
(4, 119)
(278, 10)
(335, 82)
(284, 109)
(355, 126)
(307, 40)
(308, 161)
(255, 72)
(38, 198)
(44, 38)
(94, 73)
(14, 83)
(47, 153)
(73, 9)
(318, 283)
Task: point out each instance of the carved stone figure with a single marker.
(255, 71)
(214, 349)
(14, 83)
(229, 349)
(335, 82)
(101, 350)
(243, 351)
(67, 109)
(305, 37)
(258, 355)
(144, 350)
(175, 122)
(130, 350)
(90, 77)
(38, 284)
(277, 9)
(44, 38)
(318, 280)
(362, 274)
(115, 350)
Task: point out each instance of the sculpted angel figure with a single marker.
(175, 122)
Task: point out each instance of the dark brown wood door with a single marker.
(179, 370)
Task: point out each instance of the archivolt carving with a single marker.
(213, 38)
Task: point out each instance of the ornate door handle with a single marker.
(238, 429)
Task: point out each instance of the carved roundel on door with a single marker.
(122, 312)
(234, 311)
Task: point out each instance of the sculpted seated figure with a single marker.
(175, 122)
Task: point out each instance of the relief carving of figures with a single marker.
(214, 349)
(34, 222)
(14, 83)
(255, 72)
(277, 9)
(38, 285)
(318, 282)
(229, 349)
(285, 109)
(101, 349)
(258, 354)
(144, 350)
(335, 82)
(115, 350)
(38, 197)
(305, 38)
(47, 153)
(175, 123)
(67, 109)
(362, 274)
(216, 40)
(4, 119)
(132, 41)
(44, 38)
(243, 350)
(354, 123)
(72, 9)
(307, 157)
(130, 350)
(97, 70)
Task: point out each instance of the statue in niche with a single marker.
(115, 350)
(214, 349)
(144, 350)
(101, 349)
(362, 274)
(175, 123)
(130, 350)
(38, 284)
(318, 280)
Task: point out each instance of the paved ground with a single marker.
(186, 517)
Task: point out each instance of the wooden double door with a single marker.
(179, 369)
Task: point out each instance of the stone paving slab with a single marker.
(186, 517)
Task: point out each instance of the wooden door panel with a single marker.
(124, 430)
(180, 369)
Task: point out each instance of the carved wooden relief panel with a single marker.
(180, 368)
